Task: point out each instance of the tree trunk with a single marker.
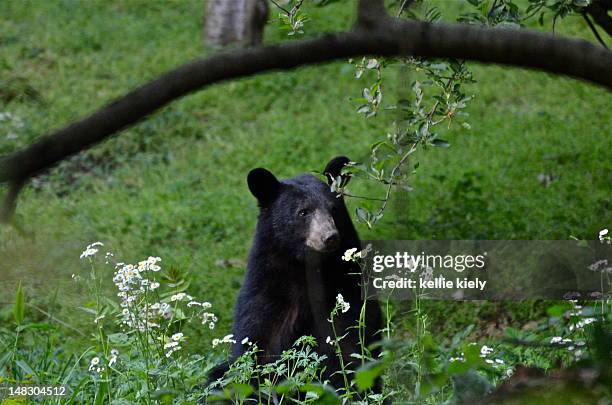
(238, 22)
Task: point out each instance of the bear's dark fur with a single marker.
(295, 270)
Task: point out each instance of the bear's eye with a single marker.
(303, 213)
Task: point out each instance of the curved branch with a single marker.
(526, 49)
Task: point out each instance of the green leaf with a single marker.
(285, 387)
(164, 396)
(88, 310)
(366, 375)
(557, 310)
(25, 367)
(362, 214)
(77, 390)
(363, 109)
(512, 333)
(101, 393)
(242, 390)
(119, 339)
(438, 66)
(458, 367)
(19, 308)
(440, 143)
(325, 393)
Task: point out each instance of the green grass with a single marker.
(174, 185)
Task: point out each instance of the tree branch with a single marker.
(599, 11)
(594, 30)
(521, 48)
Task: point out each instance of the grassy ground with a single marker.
(174, 185)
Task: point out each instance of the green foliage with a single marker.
(174, 184)
(19, 307)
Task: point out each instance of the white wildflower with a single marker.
(348, 255)
(210, 319)
(485, 350)
(582, 323)
(171, 347)
(91, 250)
(93, 364)
(556, 339)
(226, 339)
(150, 264)
(180, 297)
(344, 306)
(113, 357)
(165, 310)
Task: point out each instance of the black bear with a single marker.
(295, 270)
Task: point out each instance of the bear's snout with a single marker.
(323, 236)
(332, 242)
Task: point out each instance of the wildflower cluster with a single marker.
(143, 309)
(91, 250)
(133, 286)
(574, 340)
(95, 366)
(353, 255)
(114, 354)
(174, 344)
(578, 313)
(485, 351)
(350, 255)
(227, 339)
(341, 304)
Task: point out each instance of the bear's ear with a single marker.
(263, 185)
(334, 169)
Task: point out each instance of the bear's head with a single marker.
(301, 214)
